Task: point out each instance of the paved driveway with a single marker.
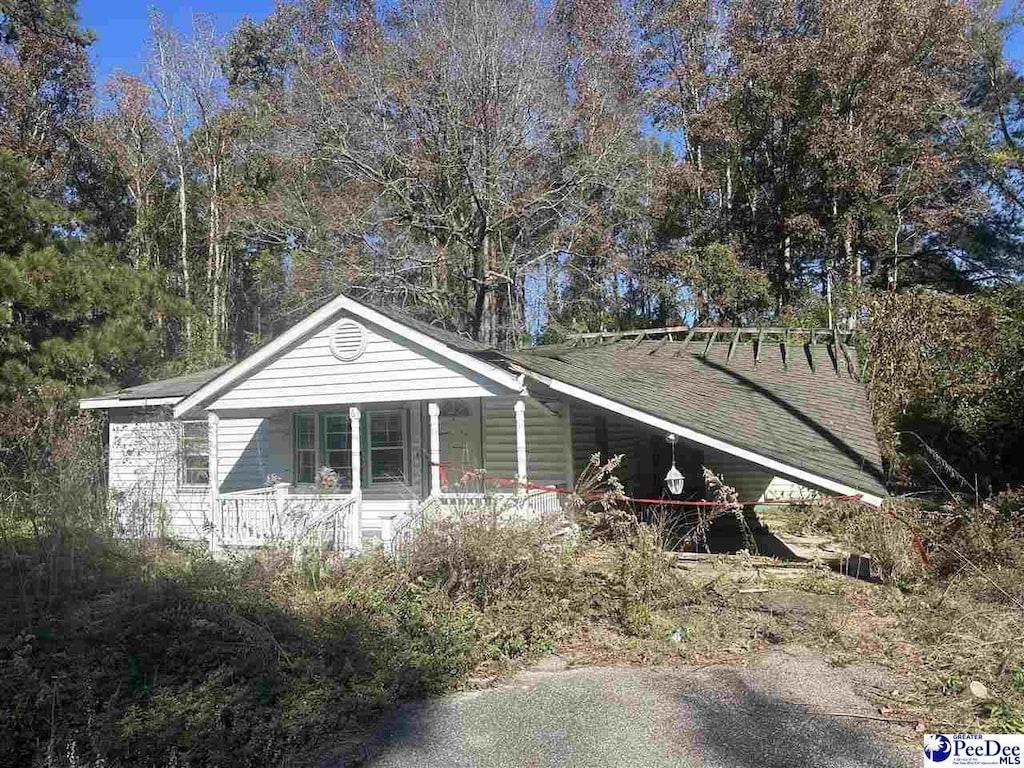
(770, 713)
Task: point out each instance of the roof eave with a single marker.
(98, 403)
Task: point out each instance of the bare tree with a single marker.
(131, 141)
(165, 69)
(205, 85)
(454, 115)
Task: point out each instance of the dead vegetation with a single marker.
(114, 654)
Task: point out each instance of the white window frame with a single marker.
(295, 447)
(404, 420)
(322, 448)
(183, 469)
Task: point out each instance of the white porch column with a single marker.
(212, 422)
(520, 409)
(355, 517)
(435, 448)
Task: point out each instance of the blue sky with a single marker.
(121, 27)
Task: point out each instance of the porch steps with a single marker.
(381, 517)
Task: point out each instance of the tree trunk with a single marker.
(785, 272)
(894, 275)
(213, 266)
(728, 185)
(183, 213)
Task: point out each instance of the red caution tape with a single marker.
(662, 502)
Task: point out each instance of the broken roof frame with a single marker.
(835, 341)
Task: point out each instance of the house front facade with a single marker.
(352, 421)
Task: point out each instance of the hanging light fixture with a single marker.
(674, 479)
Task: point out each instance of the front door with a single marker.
(460, 439)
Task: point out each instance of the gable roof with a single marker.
(807, 418)
(163, 392)
(410, 318)
(455, 348)
(804, 420)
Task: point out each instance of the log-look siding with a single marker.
(388, 370)
(546, 437)
(596, 431)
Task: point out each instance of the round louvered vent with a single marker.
(348, 340)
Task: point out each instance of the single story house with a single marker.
(358, 416)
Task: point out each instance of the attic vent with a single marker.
(348, 340)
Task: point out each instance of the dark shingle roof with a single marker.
(411, 319)
(179, 386)
(809, 418)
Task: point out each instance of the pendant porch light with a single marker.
(674, 479)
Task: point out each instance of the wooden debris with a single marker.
(732, 346)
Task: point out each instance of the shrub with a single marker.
(643, 578)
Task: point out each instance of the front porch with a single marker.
(355, 476)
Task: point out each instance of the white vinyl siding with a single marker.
(388, 370)
(252, 448)
(143, 477)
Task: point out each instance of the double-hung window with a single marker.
(194, 453)
(387, 447)
(336, 440)
(325, 439)
(305, 448)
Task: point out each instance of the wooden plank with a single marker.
(760, 344)
(850, 368)
(686, 342)
(732, 346)
(711, 340)
(638, 339)
(645, 331)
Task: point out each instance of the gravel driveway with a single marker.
(768, 713)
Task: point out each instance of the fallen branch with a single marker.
(857, 716)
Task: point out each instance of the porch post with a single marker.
(212, 421)
(435, 448)
(520, 409)
(570, 475)
(355, 517)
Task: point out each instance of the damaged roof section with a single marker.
(801, 405)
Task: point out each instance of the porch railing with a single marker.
(435, 507)
(267, 515)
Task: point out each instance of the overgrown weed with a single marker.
(156, 653)
(959, 604)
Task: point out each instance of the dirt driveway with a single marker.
(781, 709)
